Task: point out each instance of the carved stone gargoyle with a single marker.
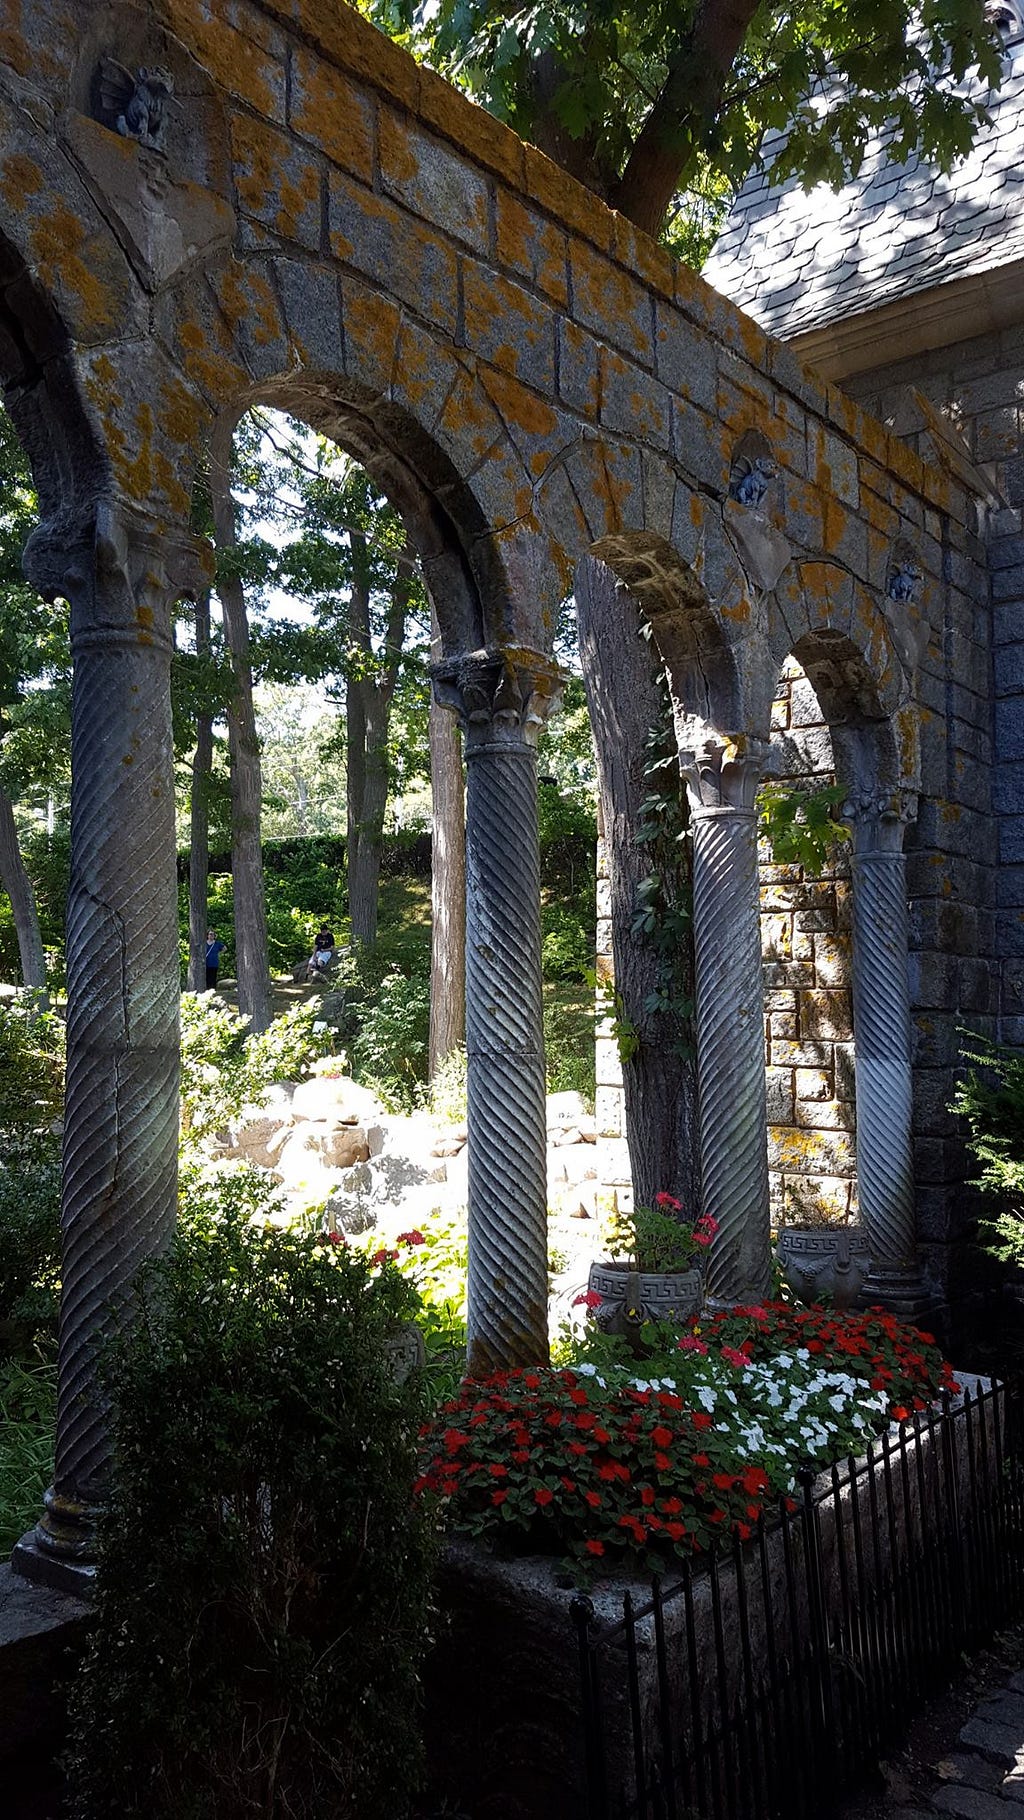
(136, 106)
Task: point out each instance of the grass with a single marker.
(28, 1406)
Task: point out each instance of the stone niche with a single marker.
(806, 944)
(505, 1723)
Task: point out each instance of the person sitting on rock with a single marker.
(323, 954)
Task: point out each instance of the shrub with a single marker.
(223, 1067)
(569, 1041)
(28, 1411)
(567, 942)
(991, 1098)
(263, 1587)
(31, 1067)
(391, 1046)
(29, 1238)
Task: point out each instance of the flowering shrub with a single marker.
(594, 1461)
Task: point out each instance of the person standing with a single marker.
(214, 950)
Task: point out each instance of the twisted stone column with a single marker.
(121, 1098)
(502, 700)
(721, 782)
(882, 1041)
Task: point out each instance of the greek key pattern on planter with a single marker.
(121, 1115)
(881, 1027)
(502, 703)
(721, 782)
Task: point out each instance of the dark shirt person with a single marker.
(214, 950)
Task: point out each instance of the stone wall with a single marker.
(805, 934)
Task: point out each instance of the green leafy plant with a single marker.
(31, 1066)
(264, 1578)
(390, 1047)
(991, 1099)
(801, 826)
(658, 1238)
(29, 1239)
(223, 1067)
(28, 1409)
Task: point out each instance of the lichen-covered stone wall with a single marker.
(805, 940)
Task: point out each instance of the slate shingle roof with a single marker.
(796, 261)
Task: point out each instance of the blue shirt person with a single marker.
(214, 950)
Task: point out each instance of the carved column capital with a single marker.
(722, 775)
(121, 571)
(498, 695)
(879, 819)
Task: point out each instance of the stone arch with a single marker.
(414, 412)
(41, 394)
(843, 640)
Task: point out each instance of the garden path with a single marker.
(964, 1755)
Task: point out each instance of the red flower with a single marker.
(662, 1199)
(542, 1495)
(662, 1437)
(591, 1299)
(594, 1499)
(734, 1357)
(383, 1257)
(900, 1413)
(690, 1343)
(498, 1497)
(411, 1238)
(498, 1472)
(594, 1547)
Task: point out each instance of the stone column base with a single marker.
(61, 1572)
(901, 1290)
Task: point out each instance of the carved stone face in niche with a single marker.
(752, 470)
(135, 106)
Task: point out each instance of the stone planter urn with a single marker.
(630, 1297)
(819, 1260)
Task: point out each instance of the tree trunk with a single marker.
(364, 868)
(199, 821)
(369, 692)
(18, 886)
(447, 882)
(251, 962)
(621, 676)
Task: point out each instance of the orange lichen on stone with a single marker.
(240, 65)
(20, 179)
(371, 335)
(640, 254)
(182, 417)
(328, 109)
(531, 246)
(275, 183)
(611, 302)
(834, 521)
(69, 260)
(547, 184)
(518, 406)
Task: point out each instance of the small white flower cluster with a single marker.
(780, 1414)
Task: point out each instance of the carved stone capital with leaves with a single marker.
(722, 775)
(879, 819)
(503, 696)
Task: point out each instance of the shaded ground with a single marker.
(958, 1755)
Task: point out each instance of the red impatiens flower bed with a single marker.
(598, 1462)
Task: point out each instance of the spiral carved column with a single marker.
(502, 702)
(882, 1039)
(121, 1097)
(721, 781)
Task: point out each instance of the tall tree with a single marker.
(447, 882)
(35, 704)
(648, 100)
(251, 962)
(199, 816)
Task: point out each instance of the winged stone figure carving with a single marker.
(136, 105)
(751, 479)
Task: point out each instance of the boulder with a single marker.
(565, 1109)
(335, 1097)
(349, 1207)
(340, 1146)
(565, 1134)
(261, 1137)
(448, 1144)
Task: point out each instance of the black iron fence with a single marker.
(764, 1680)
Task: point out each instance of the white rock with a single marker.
(339, 1145)
(565, 1134)
(447, 1145)
(336, 1098)
(565, 1109)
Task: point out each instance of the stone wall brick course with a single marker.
(327, 109)
(611, 303)
(277, 183)
(632, 403)
(430, 180)
(532, 246)
(404, 259)
(686, 363)
(508, 326)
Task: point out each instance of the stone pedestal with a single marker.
(721, 781)
(502, 701)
